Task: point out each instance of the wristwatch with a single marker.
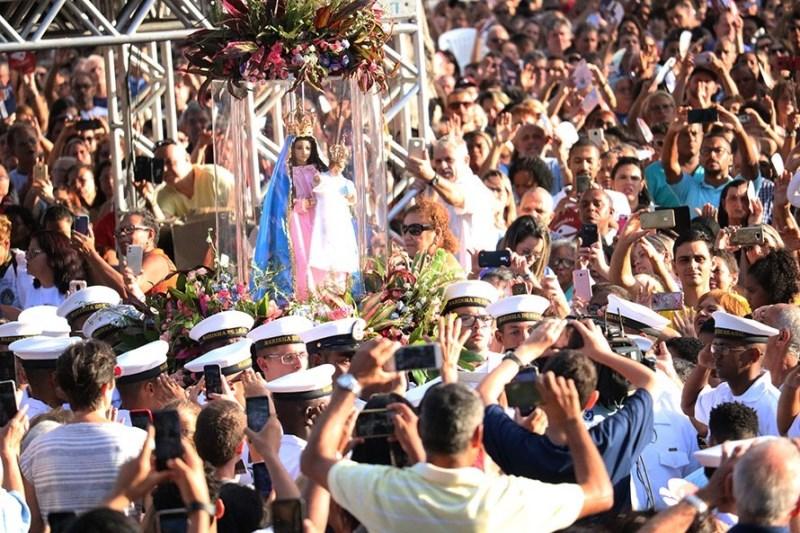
(435, 180)
(510, 356)
(699, 505)
(349, 383)
(200, 506)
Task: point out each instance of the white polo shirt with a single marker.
(762, 396)
(473, 224)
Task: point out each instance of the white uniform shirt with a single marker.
(291, 449)
(473, 224)
(35, 407)
(762, 396)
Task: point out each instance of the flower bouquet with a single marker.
(258, 40)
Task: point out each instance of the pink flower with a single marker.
(339, 313)
(274, 57)
(202, 302)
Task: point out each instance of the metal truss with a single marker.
(137, 35)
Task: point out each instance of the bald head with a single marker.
(766, 483)
(537, 203)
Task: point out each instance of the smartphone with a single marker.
(168, 437)
(81, 224)
(60, 521)
(257, 410)
(8, 367)
(418, 357)
(148, 169)
(76, 285)
(91, 124)
(141, 418)
(749, 236)
(519, 288)
(702, 116)
(582, 284)
(588, 235)
(582, 183)
(667, 301)
(664, 219)
(494, 259)
(134, 258)
(683, 218)
(416, 148)
(8, 401)
(287, 516)
(597, 136)
(375, 423)
(744, 119)
(39, 171)
(213, 375)
(521, 391)
(172, 521)
(261, 480)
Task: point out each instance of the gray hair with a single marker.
(564, 243)
(449, 415)
(457, 143)
(766, 483)
(788, 317)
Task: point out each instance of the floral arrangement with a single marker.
(257, 40)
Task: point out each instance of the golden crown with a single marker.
(300, 123)
(339, 154)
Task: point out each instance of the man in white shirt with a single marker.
(463, 193)
(738, 347)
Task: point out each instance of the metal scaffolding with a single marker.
(137, 35)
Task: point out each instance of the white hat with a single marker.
(46, 317)
(225, 324)
(520, 308)
(339, 335)
(468, 293)
(712, 457)
(87, 301)
(143, 363)
(634, 316)
(284, 330)
(415, 395)
(111, 319)
(41, 351)
(231, 358)
(735, 328)
(304, 384)
(14, 331)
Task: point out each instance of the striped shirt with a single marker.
(74, 467)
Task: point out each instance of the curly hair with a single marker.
(62, 258)
(82, 370)
(537, 169)
(779, 276)
(5, 228)
(440, 220)
(732, 421)
(730, 302)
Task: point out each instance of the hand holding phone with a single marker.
(588, 235)
(141, 418)
(134, 258)
(418, 357)
(168, 437)
(81, 224)
(375, 423)
(494, 259)
(287, 516)
(702, 116)
(8, 401)
(213, 377)
(416, 148)
(521, 391)
(257, 410)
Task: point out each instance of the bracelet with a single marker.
(209, 508)
(509, 356)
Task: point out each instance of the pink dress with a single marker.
(301, 226)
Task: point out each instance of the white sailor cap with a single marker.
(304, 384)
(519, 308)
(468, 293)
(14, 331)
(712, 457)
(735, 328)
(634, 316)
(285, 330)
(415, 395)
(225, 324)
(643, 343)
(106, 321)
(46, 317)
(143, 363)
(231, 358)
(339, 335)
(41, 351)
(87, 301)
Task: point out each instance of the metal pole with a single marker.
(116, 126)
(105, 40)
(169, 94)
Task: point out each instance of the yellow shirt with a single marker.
(212, 190)
(427, 498)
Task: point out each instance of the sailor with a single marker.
(516, 316)
(139, 370)
(278, 348)
(232, 360)
(334, 343)
(81, 304)
(220, 329)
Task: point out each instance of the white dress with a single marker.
(333, 239)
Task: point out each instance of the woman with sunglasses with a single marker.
(51, 263)
(426, 229)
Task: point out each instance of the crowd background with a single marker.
(617, 154)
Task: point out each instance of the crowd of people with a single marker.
(614, 188)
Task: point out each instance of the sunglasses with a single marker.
(416, 229)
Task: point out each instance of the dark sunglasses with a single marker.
(416, 229)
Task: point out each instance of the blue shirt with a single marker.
(695, 192)
(15, 516)
(620, 439)
(660, 191)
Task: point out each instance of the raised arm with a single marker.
(669, 153)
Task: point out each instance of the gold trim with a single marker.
(522, 316)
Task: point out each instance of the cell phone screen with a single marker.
(82, 224)
(173, 521)
(8, 401)
(374, 423)
(702, 116)
(519, 288)
(287, 516)
(257, 412)
(261, 480)
(168, 437)
(213, 377)
(494, 259)
(420, 356)
(521, 391)
(8, 367)
(588, 235)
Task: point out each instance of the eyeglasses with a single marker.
(725, 349)
(562, 262)
(30, 254)
(715, 151)
(468, 321)
(287, 358)
(127, 230)
(456, 105)
(416, 229)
